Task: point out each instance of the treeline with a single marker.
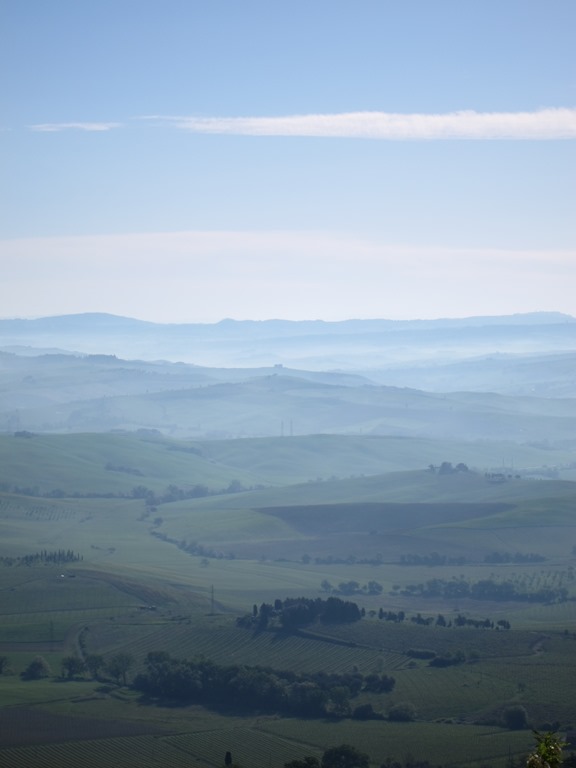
(432, 559)
(259, 689)
(352, 587)
(191, 547)
(344, 560)
(55, 557)
(459, 621)
(150, 497)
(295, 612)
(198, 491)
(517, 557)
(487, 589)
(440, 620)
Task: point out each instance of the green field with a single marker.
(175, 575)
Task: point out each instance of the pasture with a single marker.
(174, 576)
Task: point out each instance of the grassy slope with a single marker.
(77, 463)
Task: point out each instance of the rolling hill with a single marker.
(63, 393)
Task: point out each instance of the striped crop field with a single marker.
(248, 747)
(460, 692)
(274, 742)
(34, 509)
(231, 645)
(438, 743)
(122, 752)
(399, 637)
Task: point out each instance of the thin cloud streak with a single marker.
(541, 125)
(56, 127)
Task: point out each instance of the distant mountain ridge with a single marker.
(99, 320)
(315, 344)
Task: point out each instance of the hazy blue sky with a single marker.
(189, 160)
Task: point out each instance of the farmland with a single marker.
(174, 573)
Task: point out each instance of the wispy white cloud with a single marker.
(543, 125)
(56, 127)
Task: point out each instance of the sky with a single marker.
(188, 161)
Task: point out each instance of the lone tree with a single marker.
(344, 756)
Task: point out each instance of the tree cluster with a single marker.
(174, 493)
(55, 557)
(74, 667)
(37, 669)
(447, 468)
(352, 588)
(260, 689)
(343, 756)
(486, 589)
(295, 612)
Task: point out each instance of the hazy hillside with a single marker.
(550, 375)
(99, 393)
(351, 344)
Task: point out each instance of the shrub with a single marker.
(404, 712)
(548, 751)
(37, 669)
(515, 717)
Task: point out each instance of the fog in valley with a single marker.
(287, 384)
(339, 509)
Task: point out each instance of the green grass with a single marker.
(42, 693)
(125, 569)
(77, 462)
(438, 743)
